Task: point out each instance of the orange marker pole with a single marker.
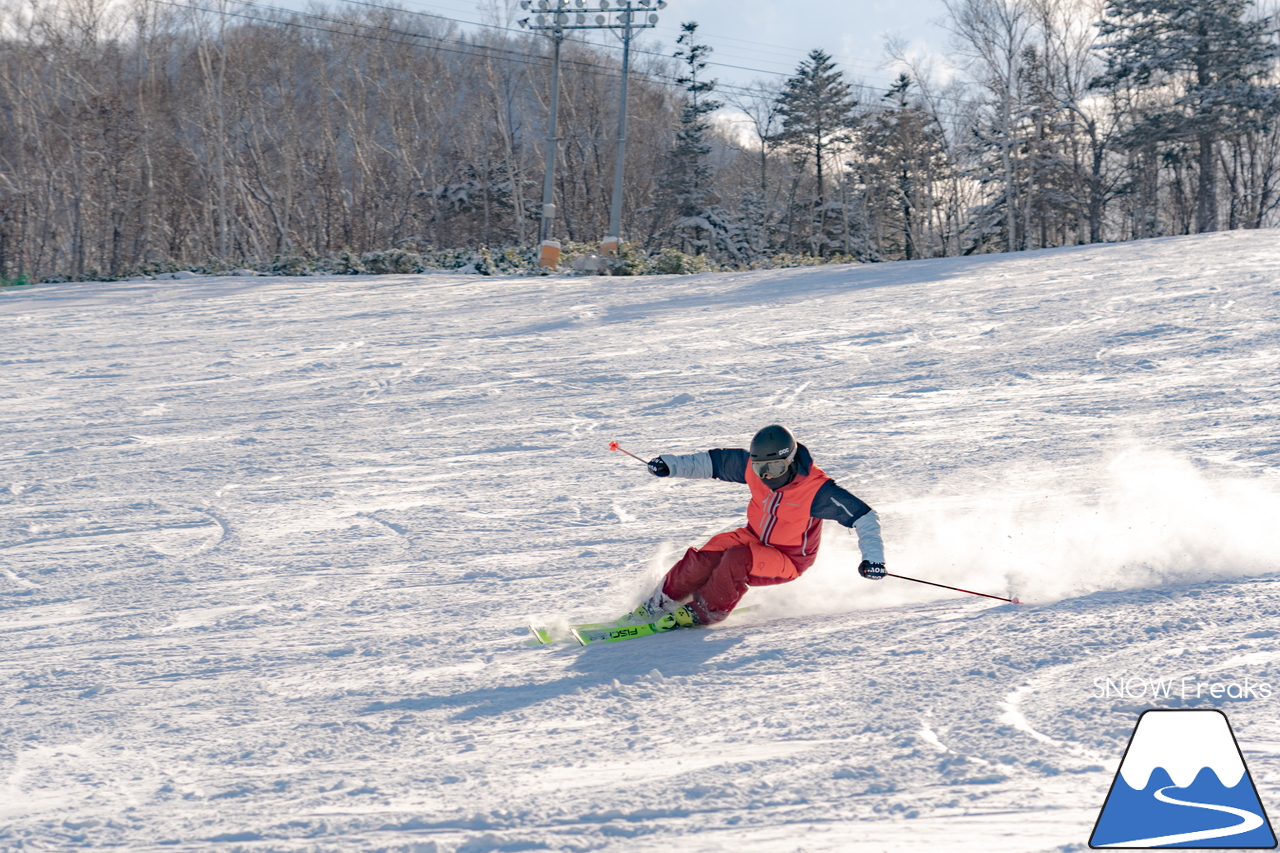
(613, 445)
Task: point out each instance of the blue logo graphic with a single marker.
(1183, 783)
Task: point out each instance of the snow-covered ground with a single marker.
(268, 548)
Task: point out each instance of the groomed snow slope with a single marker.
(268, 547)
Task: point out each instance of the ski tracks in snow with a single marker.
(267, 547)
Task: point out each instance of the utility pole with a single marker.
(554, 19)
(548, 249)
(613, 240)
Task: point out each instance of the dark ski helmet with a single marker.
(772, 451)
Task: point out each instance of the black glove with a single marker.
(658, 468)
(871, 571)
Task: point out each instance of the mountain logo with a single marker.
(1183, 783)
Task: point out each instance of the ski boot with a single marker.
(681, 617)
(650, 610)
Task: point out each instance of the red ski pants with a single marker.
(713, 578)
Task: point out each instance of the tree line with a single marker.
(137, 135)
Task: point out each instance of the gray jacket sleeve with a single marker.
(869, 541)
(693, 466)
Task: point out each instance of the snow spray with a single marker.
(1139, 519)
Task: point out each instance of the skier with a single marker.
(790, 497)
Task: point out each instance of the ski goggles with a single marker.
(770, 470)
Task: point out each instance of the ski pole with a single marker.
(613, 445)
(1013, 600)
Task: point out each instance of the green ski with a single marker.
(623, 632)
(616, 633)
(544, 636)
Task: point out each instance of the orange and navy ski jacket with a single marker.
(790, 518)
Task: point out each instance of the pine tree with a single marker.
(756, 218)
(1199, 66)
(1053, 208)
(818, 116)
(903, 159)
(684, 188)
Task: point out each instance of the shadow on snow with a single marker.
(597, 665)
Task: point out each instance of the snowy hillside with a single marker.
(268, 548)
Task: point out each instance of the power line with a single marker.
(464, 48)
(792, 57)
(606, 46)
(513, 56)
(467, 48)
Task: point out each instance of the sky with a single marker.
(775, 37)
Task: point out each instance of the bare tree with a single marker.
(994, 35)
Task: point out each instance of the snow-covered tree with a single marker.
(819, 114)
(1196, 72)
(902, 160)
(684, 196)
(993, 35)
